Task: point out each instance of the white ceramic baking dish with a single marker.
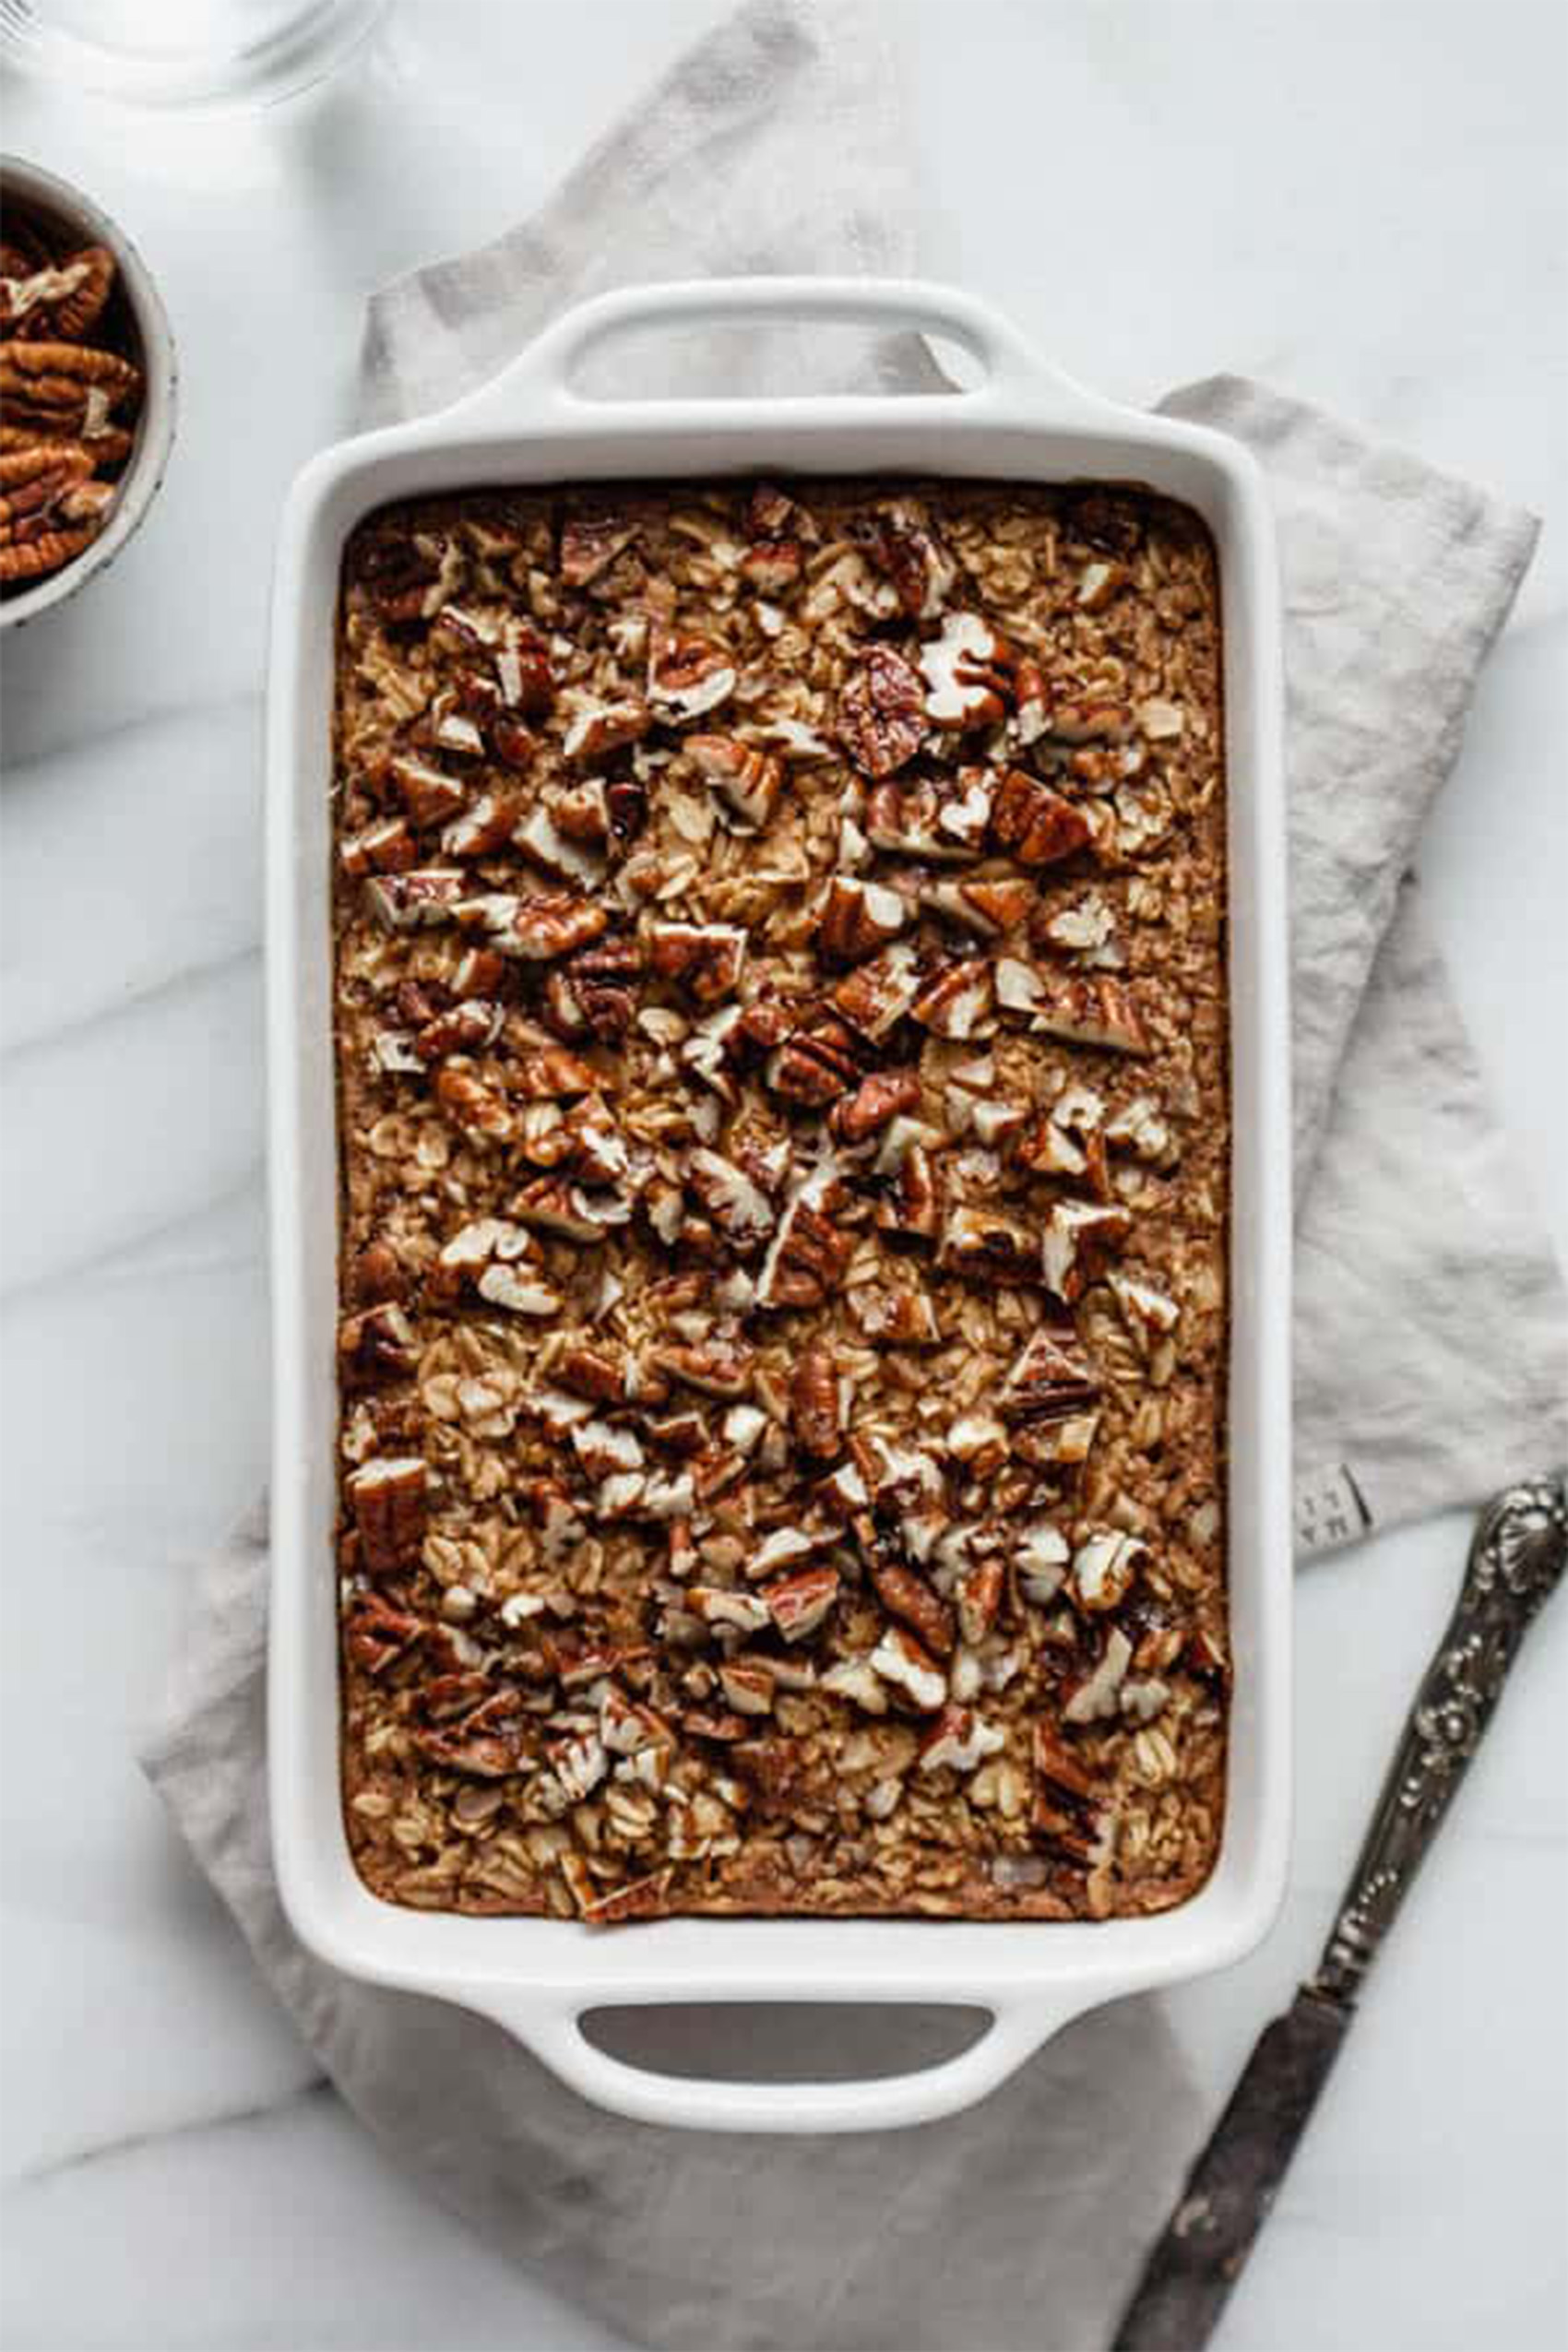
(539, 1977)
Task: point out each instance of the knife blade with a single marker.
(1517, 1558)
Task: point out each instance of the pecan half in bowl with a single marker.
(87, 391)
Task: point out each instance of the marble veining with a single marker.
(1258, 191)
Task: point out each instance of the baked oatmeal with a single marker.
(784, 1134)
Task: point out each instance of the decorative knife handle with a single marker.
(1516, 1557)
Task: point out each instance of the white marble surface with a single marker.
(1366, 204)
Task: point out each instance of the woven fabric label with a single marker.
(1330, 1509)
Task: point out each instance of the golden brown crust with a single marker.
(784, 1125)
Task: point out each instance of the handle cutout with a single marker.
(803, 2041)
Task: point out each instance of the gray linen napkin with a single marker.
(1430, 1325)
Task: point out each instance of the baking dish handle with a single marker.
(691, 2104)
(542, 374)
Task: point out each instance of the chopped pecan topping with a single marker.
(375, 1635)
(911, 1600)
(708, 958)
(378, 1345)
(900, 540)
(881, 713)
(806, 1259)
(599, 727)
(1081, 1009)
(990, 907)
(387, 846)
(772, 567)
(1078, 1235)
(417, 900)
(388, 1500)
(814, 1403)
(874, 1101)
(539, 930)
(968, 672)
(913, 1210)
(739, 1208)
(797, 1605)
(857, 918)
(429, 794)
(928, 818)
(1103, 1568)
(956, 1001)
(1033, 823)
(687, 677)
(895, 1318)
(482, 829)
(715, 1367)
(747, 780)
(814, 1063)
(899, 1659)
(590, 544)
(959, 1740)
(875, 997)
(1050, 1377)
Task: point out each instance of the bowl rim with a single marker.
(26, 181)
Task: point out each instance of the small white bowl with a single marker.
(62, 208)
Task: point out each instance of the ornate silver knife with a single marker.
(1517, 1558)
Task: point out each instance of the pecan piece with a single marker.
(467, 1027)
(982, 1242)
(65, 390)
(798, 1604)
(968, 671)
(716, 1367)
(858, 918)
(875, 997)
(747, 780)
(412, 901)
(541, 930)
(687, 677)
(742, 1211)
(808, 1256)
(388, 1496)
(900, 540)
(1078, 1236)
(1067, 1798)
(814, 1403)
(596, 990)
(773, 566)
(375, 1633)
(960, 1740)
(956, 1001)
(590, 544)
(599, 727)
(912, 1601)
(814, 1063)
(926, 818)
(912, 1213)
(375, 1345)
(1083, 1009)
(895, 1318)
(874, 1101)
(1033, 823)
(707, 958)
(387, 846)
(482, 829)
(881, 714)
(1050, 1378)
(900, 1660)
(551, 1073)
